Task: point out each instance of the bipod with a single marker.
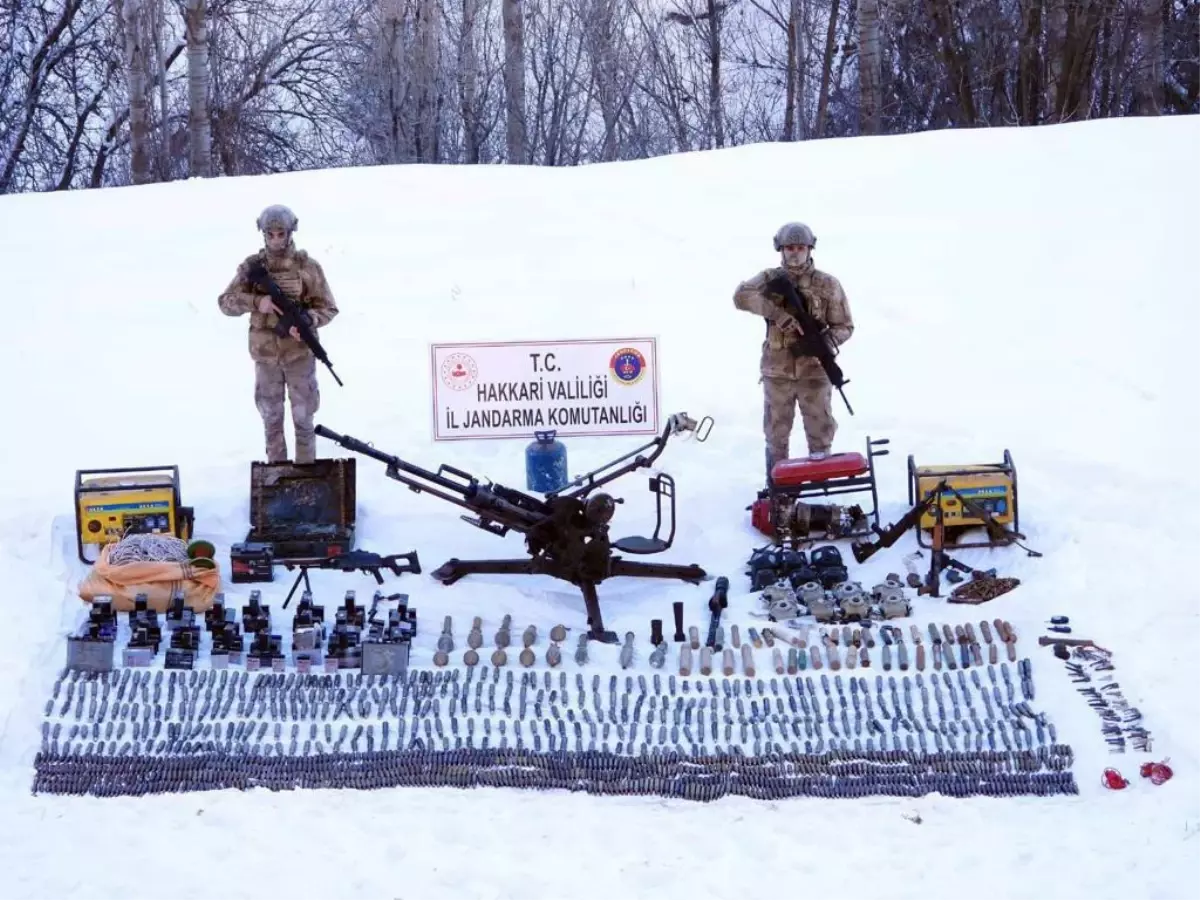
(302, 577)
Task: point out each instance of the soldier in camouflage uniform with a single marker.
(282, 365)
(790, 381)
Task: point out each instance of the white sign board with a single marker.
(512, 389)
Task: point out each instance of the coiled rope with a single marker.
(148, 548)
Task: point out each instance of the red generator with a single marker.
(786, 511)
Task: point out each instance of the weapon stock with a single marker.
(292, 316)
(566, 534)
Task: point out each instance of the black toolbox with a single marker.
(303, 511)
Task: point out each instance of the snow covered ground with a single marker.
(1035, 290)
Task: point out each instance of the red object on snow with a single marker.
(760, 516)
(1114, 780)
(802, 470)
(1157, 772)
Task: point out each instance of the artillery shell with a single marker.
(755, 639)
(581, 651)
(735, 637)
(993, 654)
(864, 658)
(976, 654)
(915, 632)
(502, 634)
(694, 637)
(793, 661)
(920, 657)
(777, 660)
(814, 656)
(727, 661)
(851, 657)
(475, 638)
(948, 634)
(529, 637)
(706, 660)
(933, 635)
(970, 630)
(553, 655)
(847, 635)
(685, 660)
(626, 657)
(856, 637)
(986, 630)
(747, 660)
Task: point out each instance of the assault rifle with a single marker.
(814, 341)
(291, 315)
(352, 561)
(566, 534)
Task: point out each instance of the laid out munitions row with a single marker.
(669, 774)
(440, 699)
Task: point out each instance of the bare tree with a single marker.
(133, 18)
(869, 79)
(1148, 85)
(199, 126)
(514, 80)
(826, 70)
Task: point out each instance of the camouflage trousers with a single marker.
(781, 396)
(297, 379)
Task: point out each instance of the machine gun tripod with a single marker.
(939, 558)
(566, 534)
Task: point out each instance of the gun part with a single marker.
(656, 632)
(677, 609)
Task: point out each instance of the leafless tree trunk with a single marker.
(957, 70)
(794, 100)
(468, 77)
(157, 26)
(425, 140)
(514, 80)
(826, 71)
(869, 68)
(132, 17)
(199, 127)
(599, 20)
(1148, 84)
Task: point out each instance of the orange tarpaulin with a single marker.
(157, 580)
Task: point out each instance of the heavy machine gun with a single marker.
(566, 534)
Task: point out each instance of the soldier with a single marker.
(282, 362)
(790, 381)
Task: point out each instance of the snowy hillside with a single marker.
(1035, 290)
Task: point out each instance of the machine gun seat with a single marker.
(640, 545)
(792, 472)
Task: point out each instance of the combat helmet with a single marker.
(794, 233)
(278, 216)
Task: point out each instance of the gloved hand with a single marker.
(785, 321)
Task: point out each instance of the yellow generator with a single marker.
(113, 503)
(990, 487)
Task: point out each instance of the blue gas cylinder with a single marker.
(546, 463)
